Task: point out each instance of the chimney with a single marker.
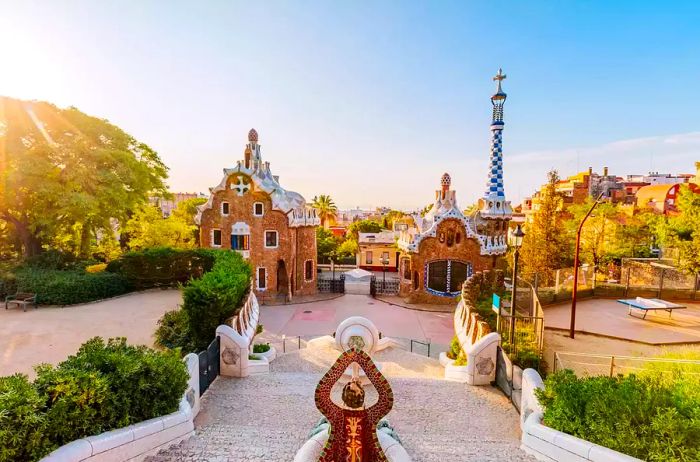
(605, 171)
(590, 171)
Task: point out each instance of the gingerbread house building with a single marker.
(444, 246)
(273, 228)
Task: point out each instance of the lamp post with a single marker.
(572, 326)
(518, 235)
(385, 262)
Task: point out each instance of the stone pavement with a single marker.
(266, 418)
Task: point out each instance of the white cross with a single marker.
(240, 186)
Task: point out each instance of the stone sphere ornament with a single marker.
(357, 332)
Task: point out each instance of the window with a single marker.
(240, 242)
(258, 209)
(270, 239)
(458, 237)
(445, 277)
(216, 238)
(224, 208)
(368, 257)
(309, 270)
(385, 257)
(415, 280)
(262, 279)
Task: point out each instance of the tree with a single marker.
(392, 217)
(326, 244)
(362, 226)
(599, 232)
(325, 208)
(682, 231)
(148, 228)
(66, 175)
(546, 246)
(347, 249)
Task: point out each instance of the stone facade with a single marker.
(272, 228)
(414, 266)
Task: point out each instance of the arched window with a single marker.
(415, 280)
(445, 277)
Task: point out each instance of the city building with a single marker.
(168, 205)
(661, 197)
(378, 251)
(273, 228)
(444, 247)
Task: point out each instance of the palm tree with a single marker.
(325, 208)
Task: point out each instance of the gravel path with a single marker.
(266, 418)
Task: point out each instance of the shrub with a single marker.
(173, 331)
(102, 387)
(653, 417)
(97, 268)
(261, 348)
(461, 359)
(8, 285)
(22, 421)
(77, 403)
(216, 296)
(63, 287)
(162, 266)
(143, 383)
(455, 349)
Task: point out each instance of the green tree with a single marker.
(326, 244)
(66, 175)
(362, 226)
(546, 246)
(325, 208)
(682, 231)
(599, 232)
(147, 227)
(347, 249)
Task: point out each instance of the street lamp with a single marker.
(517, 235)
(572, 326)
(385, 262)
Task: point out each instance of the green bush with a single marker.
(654, 417)
(143, 383)
(216, 296)
(261, 348)
(173, 331)
(22, 421)
(67, 287)
(104, 386)
(455, 349)
(53, 259)
(162, 266)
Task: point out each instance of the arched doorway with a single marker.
(282, 278)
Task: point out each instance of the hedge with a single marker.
(216, 296)
(61, 287)
(654, 417)
(104, 386)
(162, 266)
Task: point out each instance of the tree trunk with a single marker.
(85, 240)
(31, 243)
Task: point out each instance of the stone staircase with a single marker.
(268, 417)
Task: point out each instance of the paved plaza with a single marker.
(609, 318)
(50, 334)
(321, 318)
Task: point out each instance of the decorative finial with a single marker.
(500, 77)
(445, 181)
(253, 135)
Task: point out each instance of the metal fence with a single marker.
(209, 365)
(591, 364)
(336, 286)
(380, 286)
(640, 277)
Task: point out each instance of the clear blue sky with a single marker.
(372, 101)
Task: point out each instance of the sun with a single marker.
(29, 68)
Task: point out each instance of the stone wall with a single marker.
(430, 249)
(295, 245)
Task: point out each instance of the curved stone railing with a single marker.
(237, 339)
(545, 443)
(478, 344)
(135, 442)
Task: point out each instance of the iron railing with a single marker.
(592, 364)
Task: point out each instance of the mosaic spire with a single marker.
(494, 198)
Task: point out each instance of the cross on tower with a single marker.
(500, 76)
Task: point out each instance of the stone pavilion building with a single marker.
(273, 228)
(444, 247)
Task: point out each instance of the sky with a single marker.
(371, 102)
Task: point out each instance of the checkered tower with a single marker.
(494, 203)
